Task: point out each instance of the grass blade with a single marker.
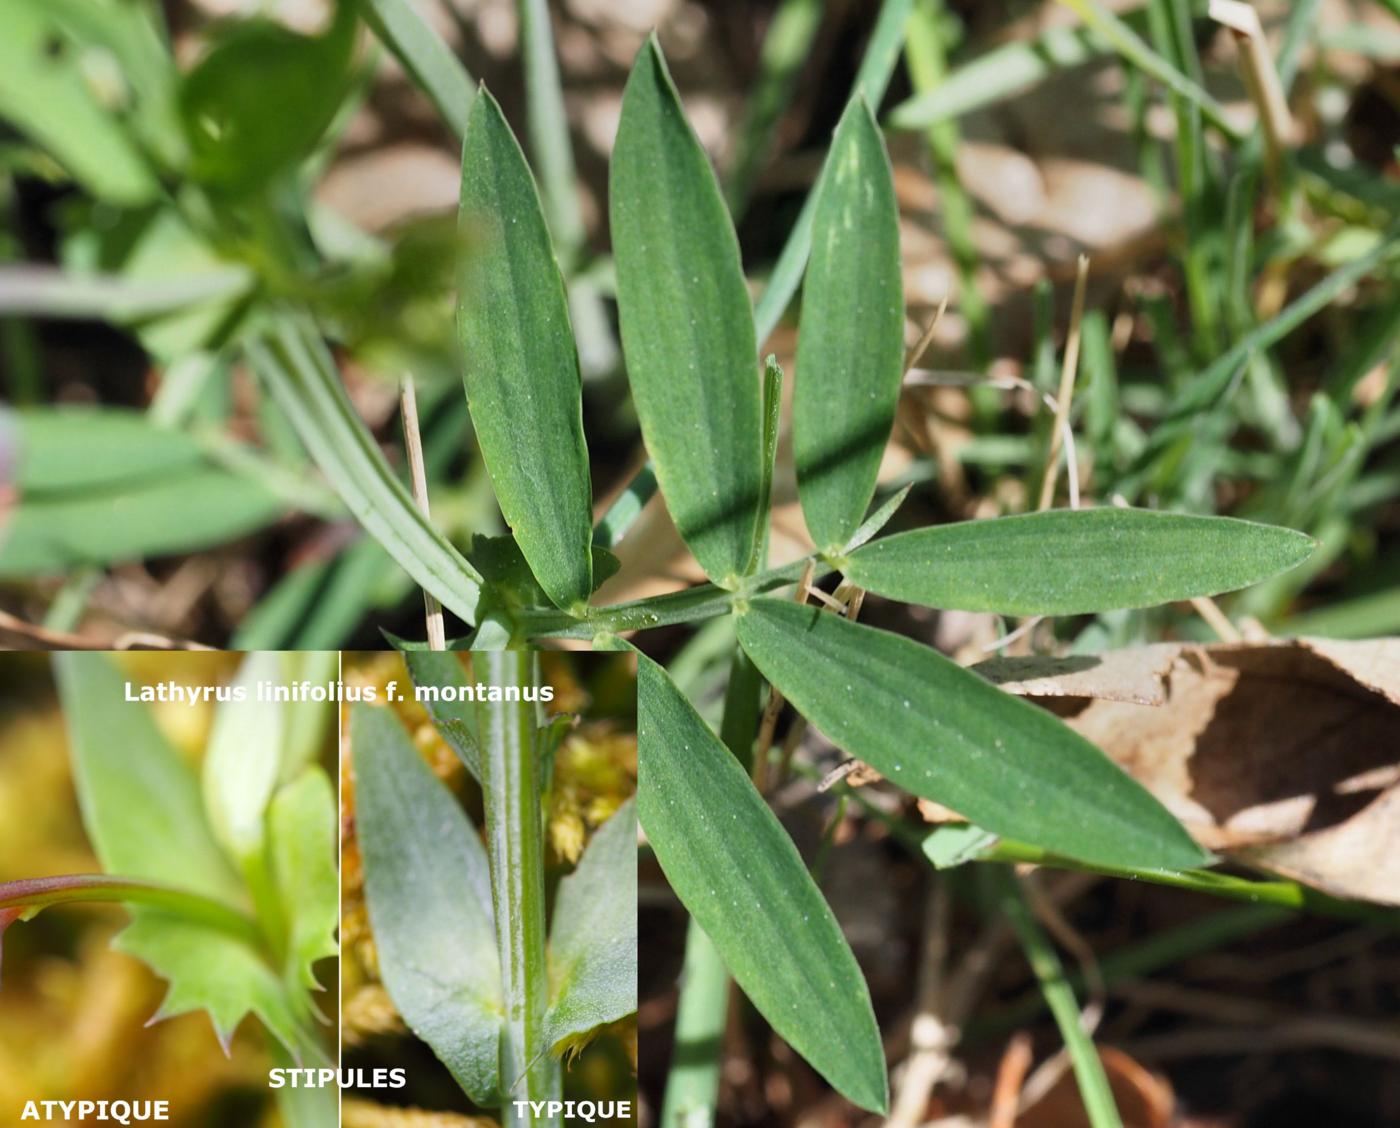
(81, 448)
(997, 74)
(850, 351)
(742, 880)
(400, 26)
(294, 365)
(944, 734)
(692, 1084)
(881, 55)
(1135, 50)
(52, 534)
(786, 49)
(45, 92)
(687, 326)
(1074, 561)
(43, 291)
(1204, 390)
(519, 361)
(625, 509)
(549, 129)
(925, 53)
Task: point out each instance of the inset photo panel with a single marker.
(168, 890)
(489, 888)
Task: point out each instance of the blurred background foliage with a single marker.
(173, 173)
(595, 772)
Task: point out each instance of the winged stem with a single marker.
(511, 787)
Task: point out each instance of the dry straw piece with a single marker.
(1260, 75)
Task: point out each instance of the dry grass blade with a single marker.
(1261, 77)
(413, 441)
(1068, 372)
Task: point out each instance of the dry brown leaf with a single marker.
(1144, 1098)
(1136, 675)
(1285, 755)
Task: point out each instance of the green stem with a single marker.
(1135, 961)
(1285, 894)
(511, 789)
(692, 1086)
(38, 893)
(66, 611)
(1059, 996)
(267, 903)
(701, 602)
(1281, 893)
